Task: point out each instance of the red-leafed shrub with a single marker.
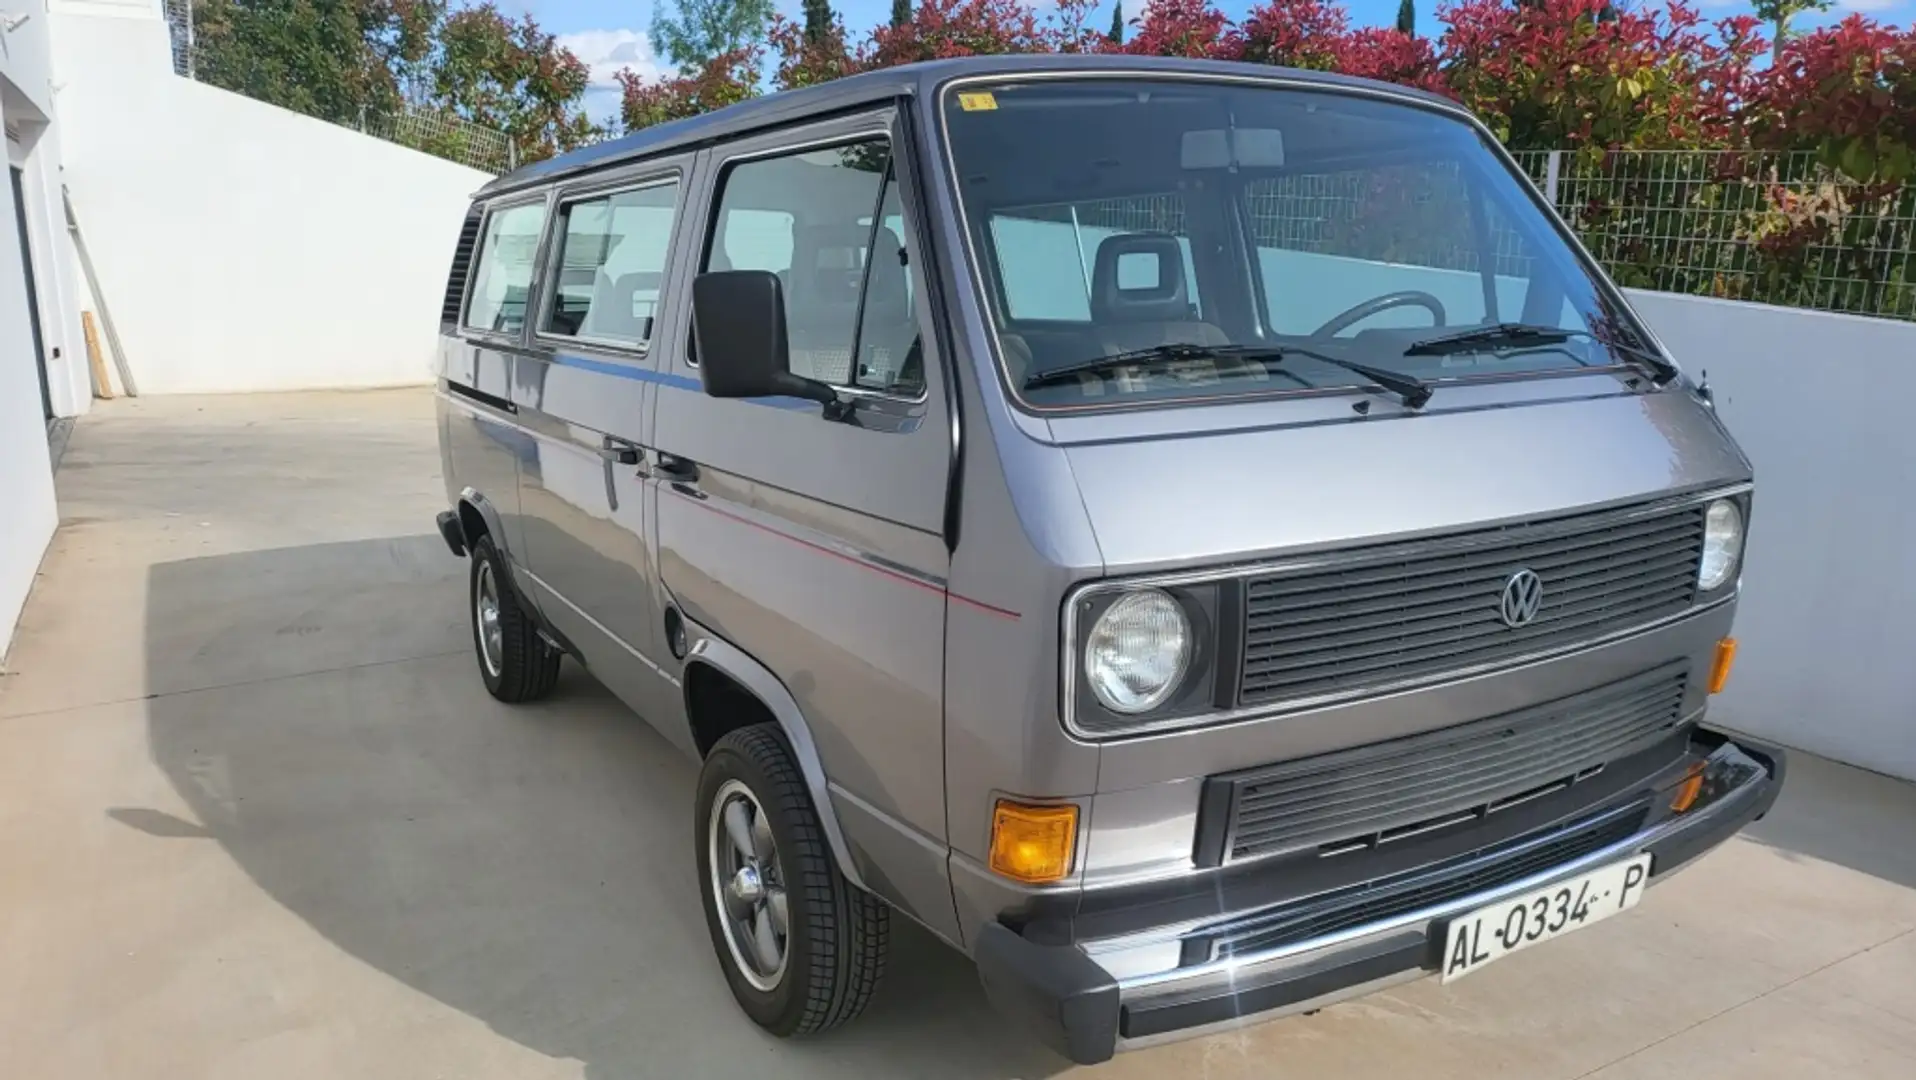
(1191, 28)
(730, 78)
(803, 61)
(1391, 56)
(1580, 73)
(1297, 33)
(940, 29)
(1847, 92)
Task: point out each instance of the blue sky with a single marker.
(611, 34)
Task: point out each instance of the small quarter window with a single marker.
(612, 265)
(502, 289)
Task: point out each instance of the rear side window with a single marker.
(829, 224)
(612, 265)
(502, 282)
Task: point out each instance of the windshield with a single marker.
(1120, 216)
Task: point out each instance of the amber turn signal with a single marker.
(1725, 659)
(1033, 844)
(1688, 790)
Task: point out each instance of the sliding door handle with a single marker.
(675, 469)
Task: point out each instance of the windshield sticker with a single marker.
(977, 101)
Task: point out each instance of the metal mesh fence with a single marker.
(179, 26)
(445, 135)
(1778, 228)
(442, 134)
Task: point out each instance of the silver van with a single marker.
(1203, 540)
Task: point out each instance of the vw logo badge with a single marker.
(1523, 595)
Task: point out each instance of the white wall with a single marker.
(27, 514)
(241, 246)
(1827, 625)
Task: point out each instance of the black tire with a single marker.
(526, 667)
(837, 934)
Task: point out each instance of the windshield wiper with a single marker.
(1414, 392)
(1516, 336)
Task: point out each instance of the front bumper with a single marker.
(1080, 1008)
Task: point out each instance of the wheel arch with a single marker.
(726, 660)
(477, 515)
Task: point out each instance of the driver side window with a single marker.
(829, 223)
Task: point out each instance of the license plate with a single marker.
(1479, 938)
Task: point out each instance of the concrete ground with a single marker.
(258, 818)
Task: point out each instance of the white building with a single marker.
(209, 224)
(43, 365)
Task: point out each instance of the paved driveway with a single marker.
(259, 819)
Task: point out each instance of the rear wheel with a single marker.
(516, 664)
(801, 948)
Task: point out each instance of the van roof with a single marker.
(904, 80)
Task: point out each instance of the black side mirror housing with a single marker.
(738, 321)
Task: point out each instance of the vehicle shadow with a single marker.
(531, 867)
(1844, 815)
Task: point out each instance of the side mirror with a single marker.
(738, 319)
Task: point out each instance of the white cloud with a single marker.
(607, 52)
(1868, 5)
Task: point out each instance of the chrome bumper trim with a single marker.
(1247, 967)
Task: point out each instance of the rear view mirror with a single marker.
(738, 323)
(1223, 148)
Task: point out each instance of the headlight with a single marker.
(1138, 651)
(1722, 544)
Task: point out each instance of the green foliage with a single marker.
(900, 12)
(1116, 36)
(1779, 13)
(1407, 17)
(694, 33)
(511, 75)
(389, 66)
(339, 60)
(818, 20)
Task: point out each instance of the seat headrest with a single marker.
(1139, 277)
(826, 265)
(611, 314)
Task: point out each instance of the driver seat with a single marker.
(1139, 298)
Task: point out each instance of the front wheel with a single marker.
(516, 664)
(802, 949)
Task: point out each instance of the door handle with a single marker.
(619, 452)
(675, 469)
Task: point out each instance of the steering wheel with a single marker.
(1355, 315)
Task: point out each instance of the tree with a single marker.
(727, 79)
(1116, 36)
(818, 20)
(512, 76)
(1407, 17)
(1778, 14)
(1194, 28)
(804, 60)
(1555, 75)
(900, 12)
(694, 33)
(946, 28)
(339, 60)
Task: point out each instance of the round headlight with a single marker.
(1722, 544)
(1137, 651)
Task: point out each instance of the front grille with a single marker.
(1374, 794)
(1414, 614)
(1421, 888)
